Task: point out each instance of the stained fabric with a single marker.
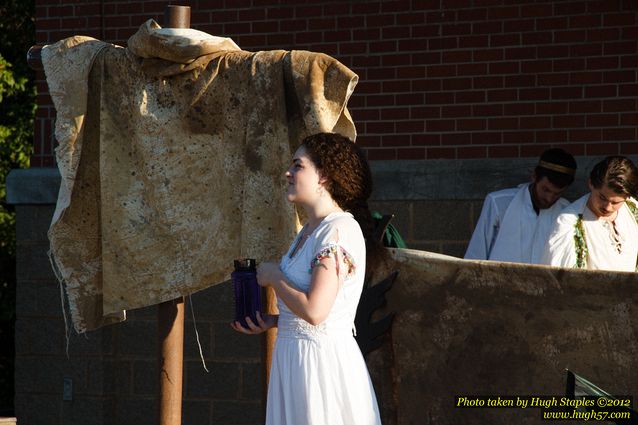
(171, 170)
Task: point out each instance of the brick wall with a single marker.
(438, 79)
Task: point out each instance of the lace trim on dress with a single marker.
(333, 250)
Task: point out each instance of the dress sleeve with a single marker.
(560, 250)
(340, 242)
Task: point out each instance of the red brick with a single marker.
(251, 41)
(440, 71)
(629, 61)
(521, 108)
(503, 124)
(619, 133)
(519, 25)
(395, 114)
(365, 140)
(411, 72)
(586, 50)
(410, 127)
(585, 106)
(487, 110)
(352, 48)
(395, 60)
(620, 48)
(555, 79)
(411, 45)
(378, 47)
(441, 153)
(552, 107)
(537, 38)
(573, 148)
(601, 148)
(48, 24)
(602, 120)
(395, 140)
(499, 40)
(571, 36)
(383, 100)
(337, 9)
(280, 12)
(522, 80)
(366, 34)
(569, 65)
(457, 56)
(487, 138)
(615, 77)
(569, 8)
(381, 154)
(455, 111)
(602, 63)
(584, 21)
(395, 32)
(502, 13)
(281, 40)
(456, 29)
(442, 43)
(504, 68)
(568, 121)
(518, 137)
(471, 152)
(430, 84)
(600, 91)
(224, 16)
(533, 94)
(567, 92)
(630, 33)
(628, 148)
(582, 78)
(477, 96)
(474, 124)
(619, 19)
(628, 90)
(487, 27)
(425, 112)
(535, 122)
(457, 84)
(503, 151)
(588, 135)
(236, 28)
(368, 7)
(558, 23)
(158, 7)
(471, 14)
(411, 18)
(487, 55)
(487, 82)
(456, 139)
(381, 73)
(411, 153)
(426, 139)
(553, 51)
(438, 16)
(396, 86)
(439, 125)
(533, 150)
(473, 41)
(536, 66)
(551, 136)
(267, 26)
(629, 119)
(380, 127)
(603, 34)
(425, 31)
(427, 58)
(471, 69)
(409, 99)
(505, 95)
(60, 11)
(308, 11)
(602, 6)
(380, 21)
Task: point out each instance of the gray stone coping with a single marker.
(401, 180)
(452, 179)
(33, 186)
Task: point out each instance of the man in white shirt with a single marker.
(515, 223)
(600, 230)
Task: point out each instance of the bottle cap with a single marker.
(245, 265)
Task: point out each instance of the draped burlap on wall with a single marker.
(170, 170)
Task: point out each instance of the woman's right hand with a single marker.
(263, 324)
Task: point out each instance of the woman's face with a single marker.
(305, 184)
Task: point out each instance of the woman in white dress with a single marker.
(318, 375)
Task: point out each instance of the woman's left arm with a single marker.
(314, 306)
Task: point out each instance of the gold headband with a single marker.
(556, 167)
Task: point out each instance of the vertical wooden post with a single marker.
(170, 314)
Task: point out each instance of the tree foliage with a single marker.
(17, 112)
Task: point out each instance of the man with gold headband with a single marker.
(600, 230)
(515, 223)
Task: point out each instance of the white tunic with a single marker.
(318, 374)
(510, 230)
(601, 241)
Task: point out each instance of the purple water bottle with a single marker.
(247, 290)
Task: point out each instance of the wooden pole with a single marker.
(170, 314)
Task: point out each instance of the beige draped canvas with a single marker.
(170, 170)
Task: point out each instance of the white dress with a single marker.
(318, 375)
